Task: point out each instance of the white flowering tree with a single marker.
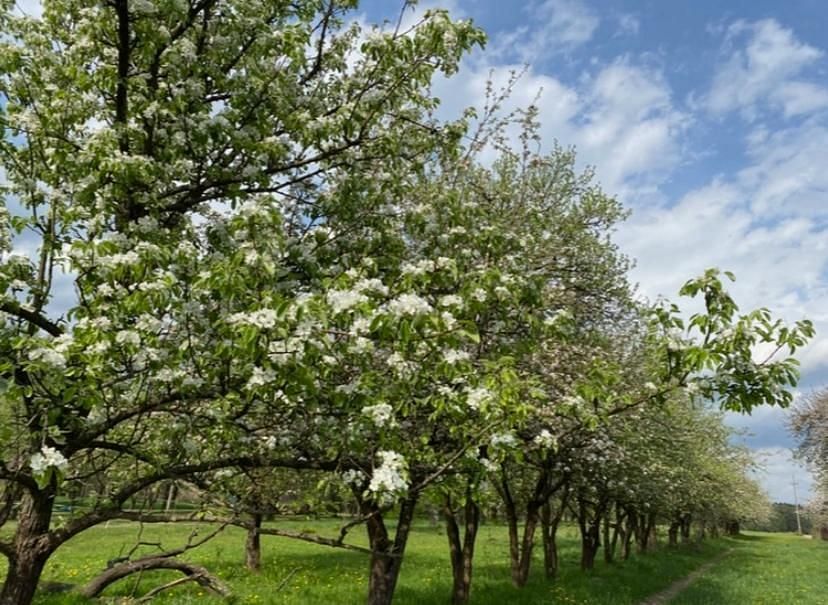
(712, 355)
(186, 184)
(809, 424)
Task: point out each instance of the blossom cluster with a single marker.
(390, 478)
(46, 458)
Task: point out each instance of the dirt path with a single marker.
(669, 593)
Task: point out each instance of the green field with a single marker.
(764, 569)
(761, 568)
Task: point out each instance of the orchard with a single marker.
(240, 257)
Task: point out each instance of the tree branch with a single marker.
(14, 308)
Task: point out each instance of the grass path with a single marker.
(763, 569)
(672, 591)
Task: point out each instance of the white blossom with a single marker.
(418, 268)
(545, 439)
(453, 356)
(46, 458)
(128, 337)
(380, 414)
(489, 465)
(48, 356)
(451, 300)
(262, 318)
(113, 261)
(503, 440)
(409, 304)
(478, 397)
(353, 477)
(342, 300)
(260, 377)
(391, 476)
(399, 364)
(449, 320)
(371, 285)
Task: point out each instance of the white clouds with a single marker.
(631, 127)
(801, 98)
(766, 70)
(787, 171)
(621, 117)
(779, 264)
(557, 25)
(628, 25)
(778, 470)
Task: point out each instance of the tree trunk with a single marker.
(253, 547)
(686, 524)
(652, 531)
(549, 529)
(520, 550)
(617, 530)
(644, 532)
(462, 554)
(672, 534)
(702, 532)
(387, 556)
(527, 544)
(629, 534)
(590, 542)
(609, 545)
(32, 548)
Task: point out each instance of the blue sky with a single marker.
(709, 120)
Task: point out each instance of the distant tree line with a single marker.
(782, 518)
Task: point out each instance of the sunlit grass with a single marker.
(308, 574)
(764, 569)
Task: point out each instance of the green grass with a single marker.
(318, 575)
(764, 569)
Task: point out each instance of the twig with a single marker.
(168, 585)
(286, 579)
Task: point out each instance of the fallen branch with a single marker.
(194, 573)
(159, 589)
(123, 567)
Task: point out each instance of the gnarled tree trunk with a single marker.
(32, 547)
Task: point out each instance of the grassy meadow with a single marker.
(764, 569)
(760, 568)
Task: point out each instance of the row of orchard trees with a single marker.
(236, 239)
(809, 423)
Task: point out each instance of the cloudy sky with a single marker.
(709, 120)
